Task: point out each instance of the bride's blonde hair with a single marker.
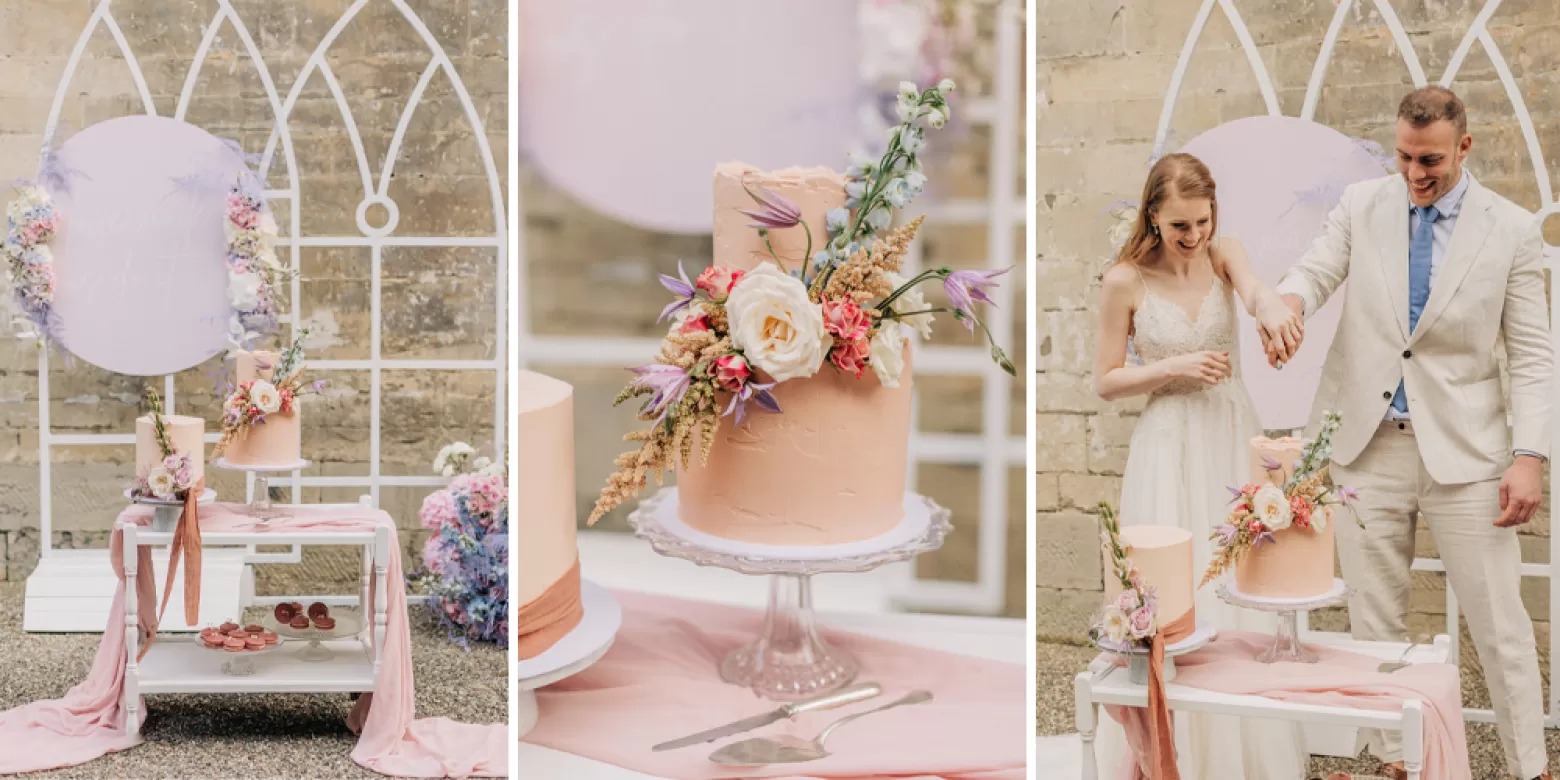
(1174, 174)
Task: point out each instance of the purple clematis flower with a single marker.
(964, 288)
(757, 393)
(682, 288)
(1226, 534)
(1270, 463)
(1262, 538)
(1348, 495)
(778, 211)
(668, 384)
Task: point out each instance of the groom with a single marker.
(1440, 270)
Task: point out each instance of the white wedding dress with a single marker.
(1191, 443)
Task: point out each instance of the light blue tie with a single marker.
(1419, 254)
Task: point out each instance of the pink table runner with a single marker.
(659, 682)
(89, 720)
(1339, 679)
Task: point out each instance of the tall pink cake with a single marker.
(830, 468)
(1163, 557)
(546, 554)
(1300, 562)
(277, 441)
(187, 434)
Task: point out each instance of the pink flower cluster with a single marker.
(717, 280)
(242, 211)
(849, 324)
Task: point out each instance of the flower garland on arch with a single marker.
(254, 271)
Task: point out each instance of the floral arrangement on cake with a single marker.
(466, 559)
(173, 478)
(1305, 500)
(847, 306)
(31, 222)
(249, 402)
(1133, 618)
(255, 274)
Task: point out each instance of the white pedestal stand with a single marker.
(260, 506)
(166, 511)
(1286, 641)
(1137, 655)
(572, 654)
(789, 660)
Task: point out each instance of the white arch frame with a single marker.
(1477, 32)
(993, 450)
(374, 238)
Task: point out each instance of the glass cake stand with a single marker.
(1286, 640)
(347, 624)
(789, 659)
(166, 511)
(260, 506)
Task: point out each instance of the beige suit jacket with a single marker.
(1488, 288)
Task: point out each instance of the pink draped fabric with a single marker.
(89, 721)
(659, 682)
(1339, 679)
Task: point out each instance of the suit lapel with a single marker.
(1390, 224)
(1473, 227)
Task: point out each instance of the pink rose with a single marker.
(851, 356)
(717, 280)
(1127, 601)
(1250, 488)
(1143, 625)
(1301, 509)
(1254, 527)
(701, 322)
(731, 372)
(845, 319)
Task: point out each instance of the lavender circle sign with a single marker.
(140, 259)
(1278, 178)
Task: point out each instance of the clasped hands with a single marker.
(1281, 325)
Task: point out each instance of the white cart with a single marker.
(1106, 683)
(179, 664)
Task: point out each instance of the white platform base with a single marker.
(178, 665)
(71, 590)
(574, 653)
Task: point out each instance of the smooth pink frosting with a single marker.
(1299, 564)
(188, 435)
(1162, 555)
(828, 469)
(277, 441)
(737, 245)
(545, 544)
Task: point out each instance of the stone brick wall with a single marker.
(1103, 70)
(437, 302)
(574, 254)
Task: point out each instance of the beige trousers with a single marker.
(1482, 568)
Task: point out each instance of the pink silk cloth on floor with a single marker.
(659, 681)
(1339, 679)
(89, 721)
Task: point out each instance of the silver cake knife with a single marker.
(828, 701)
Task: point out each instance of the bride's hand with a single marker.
(1281, 327)
(1206, 367)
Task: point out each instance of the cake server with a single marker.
(827, 701)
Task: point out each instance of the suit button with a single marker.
(1407, 354)
(1387, 395)
(1401, 426)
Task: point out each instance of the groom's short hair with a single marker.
(1432, 104)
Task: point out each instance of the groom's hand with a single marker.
(1281, 323)
(1521, 490)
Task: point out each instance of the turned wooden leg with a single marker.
(1413, 738)
(1087, 718)
(132, 688)
(382, 553)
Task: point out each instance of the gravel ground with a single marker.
(1057, 664)
(255, 736)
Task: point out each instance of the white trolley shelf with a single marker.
(179, 664)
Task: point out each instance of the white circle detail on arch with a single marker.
(1278, 178)
(141, 254)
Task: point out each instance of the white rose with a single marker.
(264, 396)
(452, 459)
(1116, 627)
(160, 482)
(888, 357)
(1271, 506)
(912, 300)
(244, 291)
(776, 325)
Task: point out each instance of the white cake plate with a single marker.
(573, 653)
(789, 660)
(1286, 640)
(260, 507)
(166, 511)
(1137, 655)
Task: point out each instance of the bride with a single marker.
(1170, 293)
